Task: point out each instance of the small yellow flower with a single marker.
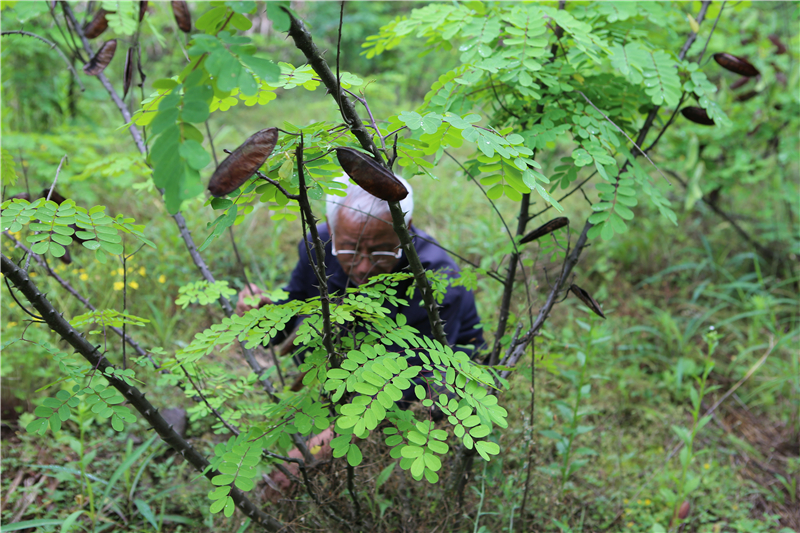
(639, 502)
(12, 324)
(121, 271)
(84, 277)
(162, 278)
(735, 507)
(133, 285)
(647, 502)
(118, 285)
(33, 274)
(706, 466)
(625, 501)
(629, 524)
(142, 271)
(82, 270)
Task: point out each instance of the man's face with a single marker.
(364, 235)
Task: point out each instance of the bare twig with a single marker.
(53, 46)
(70, 289)
(49, 193)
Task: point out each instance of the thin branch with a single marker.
(62, 328)
(278, 186)
(714, 27)
(623, 132)
(319, 249)
(765, 252)
(49, 193)
(351, 488)
(303, 41)
(216, 413)
(496, 210)
(53, 46)
(70, 289)
(570, 193)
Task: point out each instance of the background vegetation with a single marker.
(612, 398)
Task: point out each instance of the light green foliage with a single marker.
(203, 292)
(122, 17)
(107, 317)
(8, 172)
(236, 461)
(53, 226)
(104, 400)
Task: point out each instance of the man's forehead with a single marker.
(356, 226)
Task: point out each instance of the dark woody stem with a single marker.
(303, 41)
(57, 323)
(319, 249)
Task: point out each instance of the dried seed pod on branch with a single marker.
(101, 59)
(238, 167)
(371, 176)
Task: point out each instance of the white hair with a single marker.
(363, 204)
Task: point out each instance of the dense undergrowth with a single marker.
(612, 398)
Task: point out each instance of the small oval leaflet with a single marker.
(697, 115)
(371, 176)
(128, 74)
(182, 16)
(544, 229)
(243, 162)
(101, 59)
(586, 298)
(98, 25)
(736, 64)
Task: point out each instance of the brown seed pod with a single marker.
(22, 196)
(182, 16)
(683, 512)
(544, 229)
(746, 96)
(243, 162)
(127, 76)
(698, 115)
(142, 9)
(101, 59)
(736, 64)
(54, 196)
(780, 48)
(371, 176)
(738, 83)
(586, 298)
(98, 25)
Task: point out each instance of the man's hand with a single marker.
(247, 292)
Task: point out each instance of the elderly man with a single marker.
(359, 243)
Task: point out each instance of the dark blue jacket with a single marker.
(461, 321)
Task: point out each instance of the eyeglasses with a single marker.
(376, 258)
